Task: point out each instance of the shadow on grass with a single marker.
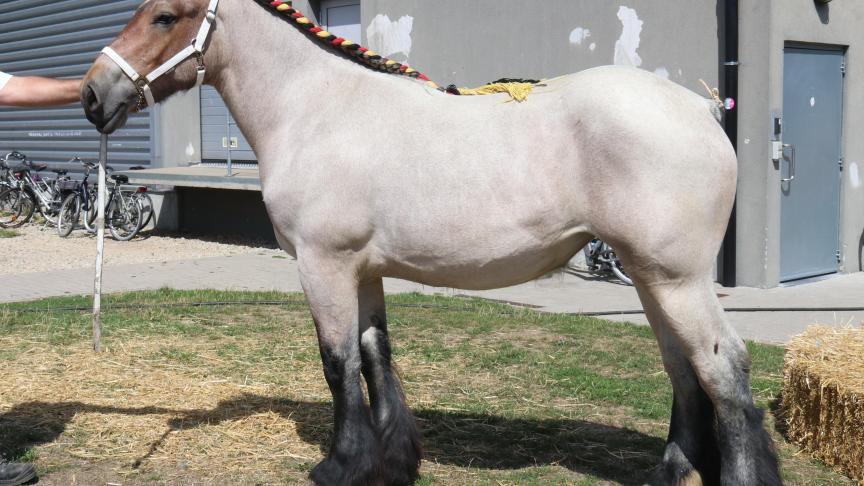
(450, 438)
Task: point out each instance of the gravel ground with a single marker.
(39, 249)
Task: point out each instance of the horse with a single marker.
(369, 170)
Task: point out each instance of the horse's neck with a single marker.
(275, 79)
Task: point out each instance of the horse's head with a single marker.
(159, 53)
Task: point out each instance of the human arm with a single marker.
(38, 91)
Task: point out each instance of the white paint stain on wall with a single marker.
(389, 37)
(812, 102)
(854, 177)
(579, 35)
(662, 72)
(592, 47)
(628, 43)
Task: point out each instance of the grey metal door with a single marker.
(812, 162)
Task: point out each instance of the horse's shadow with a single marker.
(461, 439)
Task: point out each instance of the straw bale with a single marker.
(823, 396)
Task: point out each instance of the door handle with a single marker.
(791, 163)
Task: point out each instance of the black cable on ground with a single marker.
(277, 303)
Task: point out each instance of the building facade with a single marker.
(800, 206)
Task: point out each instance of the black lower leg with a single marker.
(748, 453)
(393, 421)
(355, 451)
(691, 447)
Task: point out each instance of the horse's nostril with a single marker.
(90, 98)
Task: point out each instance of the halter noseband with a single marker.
(142, 83)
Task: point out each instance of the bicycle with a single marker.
(7, 179)
(78, 199)
(30, 193)
(123, 211)
(601, 258)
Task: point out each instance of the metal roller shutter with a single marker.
(220, 136)
(61, 38)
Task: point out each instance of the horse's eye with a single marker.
(165, 19)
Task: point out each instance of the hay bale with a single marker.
(823, 396)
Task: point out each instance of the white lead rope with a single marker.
(196, 49)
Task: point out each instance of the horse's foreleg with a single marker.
(688, 317)
(393, 421)
(354, 454)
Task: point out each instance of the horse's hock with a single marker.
(823, 396)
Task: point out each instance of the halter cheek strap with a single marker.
(196, 49)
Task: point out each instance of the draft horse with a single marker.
(369, 171)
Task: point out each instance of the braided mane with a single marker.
(355, 51)
(517, 89)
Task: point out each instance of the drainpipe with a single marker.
(730, 83)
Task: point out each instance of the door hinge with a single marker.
(840, 163)
(837, 254)
(843, 68)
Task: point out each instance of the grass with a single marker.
(235, 394)
(6, 233)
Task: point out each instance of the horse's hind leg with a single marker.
(706, 359)
(396, 427)
(332, 293)
(691, 451)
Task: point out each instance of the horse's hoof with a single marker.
(400, 460)
(356, 471)
(669, 476)
(400, 464)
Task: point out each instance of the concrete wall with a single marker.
(473, 43)
(767, 26)
(177, 131)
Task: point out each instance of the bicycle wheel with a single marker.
(90, 214)
(146, 203)
(70, 212)
(16, 208)
(52, 213)
(123, 219)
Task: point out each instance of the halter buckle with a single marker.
(141, 86)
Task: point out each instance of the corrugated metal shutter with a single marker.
(218, 128)
(61, 39)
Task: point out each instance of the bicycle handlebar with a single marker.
(14, 154)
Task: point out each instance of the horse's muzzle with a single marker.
(106, 98)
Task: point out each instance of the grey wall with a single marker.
(767, 26)
(472, 43)
(177, 131)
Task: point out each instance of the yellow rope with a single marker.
(517, 91)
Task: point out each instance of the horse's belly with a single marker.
(485, 267)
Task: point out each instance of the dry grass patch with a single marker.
(235, 394)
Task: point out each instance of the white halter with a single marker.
(142, 83)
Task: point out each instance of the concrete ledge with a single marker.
(197, 176)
